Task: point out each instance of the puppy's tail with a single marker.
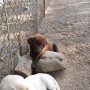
(55, 48)
(56, 84)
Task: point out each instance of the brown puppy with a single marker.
(38, 45)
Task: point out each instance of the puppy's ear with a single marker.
(55, 47)
(30, 40)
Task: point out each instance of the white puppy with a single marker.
(42, 81)
(34, 82)
(13, 82)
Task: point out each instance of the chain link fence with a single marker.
(18, 21)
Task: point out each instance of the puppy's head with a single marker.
(13, 82)
(37, 43)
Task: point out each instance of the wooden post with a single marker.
(44, 8)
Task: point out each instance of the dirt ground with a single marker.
(67, 23)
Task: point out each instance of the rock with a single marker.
(51, 61)
(23, 67)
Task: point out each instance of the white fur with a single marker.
(34, 82)
(42, 82)
(13, 82)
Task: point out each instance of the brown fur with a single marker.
(38, 45)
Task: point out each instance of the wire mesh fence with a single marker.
(18, 20)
